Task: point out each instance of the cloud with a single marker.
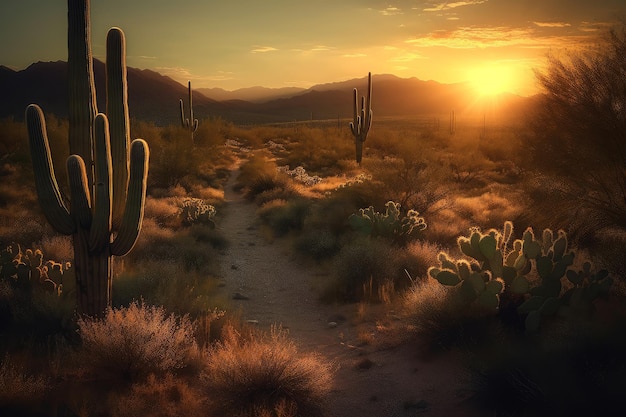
(355, 55)
(175, 72)
(476, 37)
(407, 57)
(437, 7)
(263, 49)
(552, 24)
(391, 11)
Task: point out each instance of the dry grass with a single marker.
(132, 342)
(18, 389)
(265, 375)
(168, 396)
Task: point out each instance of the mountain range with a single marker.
(154, 97)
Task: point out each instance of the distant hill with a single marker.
(154, 97)
(252, 94)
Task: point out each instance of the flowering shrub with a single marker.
(196, 210)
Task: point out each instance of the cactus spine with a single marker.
(189, 123)
(106, 172)
(362, 118)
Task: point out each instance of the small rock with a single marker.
(239, 296)
(416, 405)
(234, 266)
(364, 363)
(332, 324)
(255, 322)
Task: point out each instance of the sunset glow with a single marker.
(279, 43)
(490, 80)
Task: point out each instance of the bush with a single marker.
(399, 230)
(283, 217)
(579, 121)
(132, 342)
(362, 264)
(265, 376)
(159, 397)
(20, 393)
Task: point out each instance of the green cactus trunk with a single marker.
(93, 276)
(188, 123)
(361, 118)
(107, 173)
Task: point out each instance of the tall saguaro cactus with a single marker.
(107, 174)
(189, 123)
(362, 118)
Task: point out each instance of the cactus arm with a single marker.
(183, 122)
(79, 189)
(117, 115)
(355, 123)
(46, 184)
(100, 231)
(133, 214)
(367, 111)
(195, 125)
(190, 104)
(82, 90)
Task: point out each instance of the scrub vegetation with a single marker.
(504, 242)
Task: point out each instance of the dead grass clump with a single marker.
(19, 391)
(58, 248)
(170, 396)
(440, 321)
(132, 342)
(265, 375)
(487, 210)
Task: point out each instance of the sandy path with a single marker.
(273, 288)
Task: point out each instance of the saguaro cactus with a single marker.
(362, 119)
(189, 123)
(107, 185)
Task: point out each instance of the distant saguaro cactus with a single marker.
(188, 123)
(362, 118)
(107, 185)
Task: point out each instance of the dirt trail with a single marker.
(271, 287)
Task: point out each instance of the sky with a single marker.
(494, 44)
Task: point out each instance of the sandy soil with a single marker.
(373, 378)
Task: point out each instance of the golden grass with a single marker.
(265, 375)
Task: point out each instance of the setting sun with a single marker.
(491, 80)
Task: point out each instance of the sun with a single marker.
(491, 80)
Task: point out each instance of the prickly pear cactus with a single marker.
(391, 225)
(537, 270)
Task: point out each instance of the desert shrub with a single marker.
(265, 375)
(578, 121)
(168, 284)
(361, 267)
(284, 216)
(414, 183)
(132, 342)
(438, 321)
(582, 374)
(168, 396)
(319, 150)
(258, 174)
(318, 243)
(21, 393)
(399, 228)
(179, 247)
